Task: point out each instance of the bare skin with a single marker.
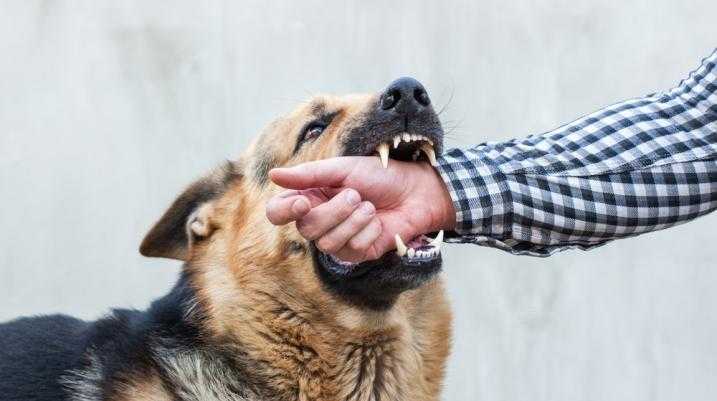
(352, 207)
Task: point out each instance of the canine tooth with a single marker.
(438, 239)
(415, 155)
(406, 137)
(430, 141)
(428, 150)
(400, 247)
(436, 242)
(411, 252)
(383, 154)
(396, 141)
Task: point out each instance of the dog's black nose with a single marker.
(405, 96)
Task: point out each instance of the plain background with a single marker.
(107, 109)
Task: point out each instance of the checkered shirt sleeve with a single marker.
(637, 166)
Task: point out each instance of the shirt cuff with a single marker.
(479, 191)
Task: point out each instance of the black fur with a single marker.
(374, 284)
(36, 353)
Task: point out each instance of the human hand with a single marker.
(352, 207)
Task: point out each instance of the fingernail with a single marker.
(352, 197)
(367, 208)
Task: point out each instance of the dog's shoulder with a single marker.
(161, 353)
(59, 357)
(34, 353)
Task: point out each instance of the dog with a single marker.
(259, 313)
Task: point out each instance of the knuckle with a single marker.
(344, 210)
(360, 218)
(358, 245)
(305, 230)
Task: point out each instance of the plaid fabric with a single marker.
(634, 167)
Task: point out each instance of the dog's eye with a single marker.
(313, 131)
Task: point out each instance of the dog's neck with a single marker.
(297, 352)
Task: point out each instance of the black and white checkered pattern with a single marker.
(637, 166)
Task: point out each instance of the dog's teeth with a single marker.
(411, 252)
(383, 154)
(396, 141)
(406, 137)
(415, 155)
(400, 246)
(428, 150)
(436, 242)
(430, 141)
(438, 239)
(414, 137)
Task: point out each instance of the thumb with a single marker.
(315, 174)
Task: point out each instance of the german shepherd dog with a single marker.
(259, 313)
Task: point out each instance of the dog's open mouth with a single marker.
(407, 147)
(422, 250)
(402, 126)
(420, 253)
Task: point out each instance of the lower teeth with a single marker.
(434, 248)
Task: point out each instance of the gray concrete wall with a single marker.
(107, 109)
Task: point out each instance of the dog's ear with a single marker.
(189, 218)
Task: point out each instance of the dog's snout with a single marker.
(405, 96)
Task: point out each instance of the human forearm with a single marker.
(633, 167)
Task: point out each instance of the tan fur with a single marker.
(258, 286)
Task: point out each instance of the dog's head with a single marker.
(220, 219)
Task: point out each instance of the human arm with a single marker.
(634, 167)
(637, 166)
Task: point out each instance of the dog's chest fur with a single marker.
(361, 373)
(382, 367)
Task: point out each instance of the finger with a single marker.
(316, 196)
(320, 173)
(282, 210)
(386, 241)
(287, 193)
(337, 237)
(361, 246)
(328, 215)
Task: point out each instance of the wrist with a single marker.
(443, 213)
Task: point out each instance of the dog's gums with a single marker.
(422, 247)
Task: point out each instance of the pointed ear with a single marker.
(188, 219)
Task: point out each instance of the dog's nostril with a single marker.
(390, 99)
(405, 96)
(421, 96)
